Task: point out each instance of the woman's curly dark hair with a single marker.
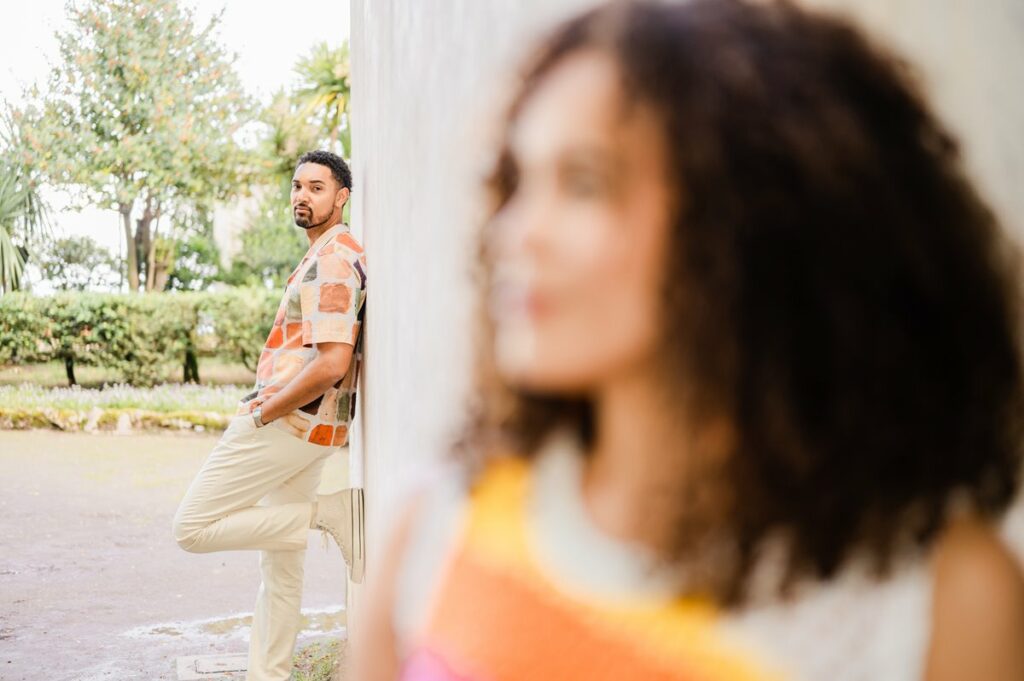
(837, 291)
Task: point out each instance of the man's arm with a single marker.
(330, 365)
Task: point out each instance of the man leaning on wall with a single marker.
(257, 489)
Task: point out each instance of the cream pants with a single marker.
(256, 491)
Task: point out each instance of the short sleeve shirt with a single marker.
(323, 303)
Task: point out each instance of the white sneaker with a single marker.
(341, 515)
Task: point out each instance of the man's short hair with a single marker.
(339, 169)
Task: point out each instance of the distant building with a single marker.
(229, 221)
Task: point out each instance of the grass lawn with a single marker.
(164, 398)
(317, 662)
(212, 371)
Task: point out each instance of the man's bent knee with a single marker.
(187, 535)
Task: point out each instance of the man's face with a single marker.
(317, 198)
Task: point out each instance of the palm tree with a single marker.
(23, 214)
(290, 133)
(326, 89)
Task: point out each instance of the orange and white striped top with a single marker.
(513, 582)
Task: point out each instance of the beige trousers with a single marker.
(256, 491)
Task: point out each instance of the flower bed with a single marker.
(119, 407)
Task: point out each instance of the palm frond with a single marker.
(23, 213)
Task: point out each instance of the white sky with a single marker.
(268, 36)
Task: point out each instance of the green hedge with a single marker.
(137, 335)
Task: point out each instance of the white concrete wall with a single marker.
(421, 71)
(424, 73)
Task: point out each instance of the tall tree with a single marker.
(140, 115)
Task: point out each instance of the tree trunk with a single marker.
(157, 271)
(163, 273)
(145, 237)
(191, 372)
(69, 369)
(162, 258)
(131, 248)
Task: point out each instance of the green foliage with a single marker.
(23, 214)
(165, 398)
(326, 89)
(77, 263)
(235, 323)
(215, 371)
(317, 661)
(143, 102)
(24, 329)
(140, 115)
(137, 335)
(290, 132)
(313, 116)
(196, 263)
(271, 247)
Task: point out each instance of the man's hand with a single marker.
(330, 365)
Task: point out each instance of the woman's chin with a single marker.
(522, 362)
(544, 379)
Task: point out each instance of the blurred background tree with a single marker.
(140, 115)
(144, 114)
(313, 115)
(191, 250)
(78, 263)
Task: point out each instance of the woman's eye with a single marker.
(584, 184)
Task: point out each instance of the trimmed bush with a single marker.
(138, 335)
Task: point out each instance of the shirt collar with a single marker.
(337, 229)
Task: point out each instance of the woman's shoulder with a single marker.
(977, 605)
(971, 553)
(946, 613)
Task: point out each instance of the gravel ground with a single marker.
(92, 585)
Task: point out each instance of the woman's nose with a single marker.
(523, 226)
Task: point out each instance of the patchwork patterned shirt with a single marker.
(323, 303)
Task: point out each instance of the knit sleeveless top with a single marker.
(513, 581)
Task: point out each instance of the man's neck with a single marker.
(316, 232)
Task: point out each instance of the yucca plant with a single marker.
(24, 216)
(326, 89)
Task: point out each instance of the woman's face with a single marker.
(578, 248)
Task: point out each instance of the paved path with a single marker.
(92, 585)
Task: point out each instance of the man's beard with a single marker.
(307, 220)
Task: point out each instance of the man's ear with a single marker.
(342, 197)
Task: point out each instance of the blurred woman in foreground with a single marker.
(750, 391)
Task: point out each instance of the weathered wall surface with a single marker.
(425, 71)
